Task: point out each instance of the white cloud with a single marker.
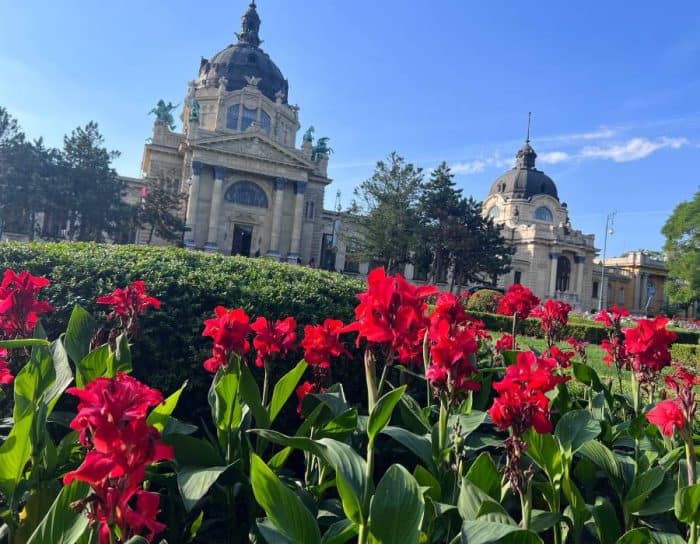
(479, 165)
(554, 157)
(602, 133)
(631, 150)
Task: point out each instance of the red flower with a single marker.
(614, 318)
(667, 416)
(302, 391)
(579, 347)
(554, 315)
(131, 301)
(522, 402)
(504, 343)
(563, 358)
(229, 330)
(6, 376)
(648, 344)
(518, 301)
(682, 380)
(20, 306)
(321, 342)
(392, 312)
(112, 424)
(616, 352)
(273, 338)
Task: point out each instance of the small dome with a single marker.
(243, 60)
(524, 180)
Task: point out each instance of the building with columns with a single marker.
(250, 190)
(552, 258)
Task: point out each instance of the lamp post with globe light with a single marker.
(609, 230)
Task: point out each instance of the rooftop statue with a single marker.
(194, 110)
(321, 148)
(163, 113)
(309, 135)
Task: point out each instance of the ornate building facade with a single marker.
(552, 258)
(250, 190)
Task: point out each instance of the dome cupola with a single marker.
(524, 180)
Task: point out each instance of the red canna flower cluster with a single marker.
(392, 312)
(522, 401)
(614, 318)
(504, 343)
(579, 347)
(6, 376)
(112, 424)
(615, 343)
(322, 342)
(127, 305)
(20, 306)
(554, 315)
(616, 352)
(671, 415)
(273, 338)
(518, 301)
(305, 389)
(648, 346)
(563, 358)
(667, 416)
(229, 330)
(453, 343)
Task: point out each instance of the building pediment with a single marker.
(256, 146)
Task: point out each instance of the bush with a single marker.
(190, 285)
(484, 300)
(687, 354)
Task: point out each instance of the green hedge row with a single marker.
(688, 354)
(189, 285)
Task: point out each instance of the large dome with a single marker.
(524, 180)
(243, 60)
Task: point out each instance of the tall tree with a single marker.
(385, 207)
(161, 210)
(95, 189)
(682, 232)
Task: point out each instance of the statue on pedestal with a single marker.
(321, 148)
(163, 113)
(309, 135)
(194, 110)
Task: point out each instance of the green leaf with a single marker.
(662, 500)
(428, 481)
(544, 451)
(541, 521)
(397, 508)
(284, 389)
(471, 500)
(341, 426)
(95, 364)
(487, 532)
(636, 536)
(642, 486)
(250, 393)
(484, 474)
(226, 411)
(340, 532)
(687, 504)
(79, 334)
(121, 359)
(160, 414)
(381, 414)
(191, 451)
(195, 482)
(63, 375)
(24, 343)
(63, 524)
(607, 525)
(605, 460)
(575, 428)
(137, 540)
(282, 506)
(420, 446)
(468, 422)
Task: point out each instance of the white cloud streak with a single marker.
(631, 150)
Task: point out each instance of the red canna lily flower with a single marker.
(272, 338)
(20, 306)
(563, 358)
(667, 416)
(613, 318)
(518, 301)
(303, 390)
(554, 315)
(648, 345)
(322, 342)
(229, 330)
(504, 343)
(6, 376)
(130, 301)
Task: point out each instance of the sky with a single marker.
(613, 87)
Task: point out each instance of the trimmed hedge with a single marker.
(484, 300)
(688, 354)
(171, 348)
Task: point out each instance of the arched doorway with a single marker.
(563, 273)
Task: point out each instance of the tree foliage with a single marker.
(682, 232)
(161, 210)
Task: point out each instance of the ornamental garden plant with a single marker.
(460, 437)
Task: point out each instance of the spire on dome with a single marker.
(250, 26)
(525, 158)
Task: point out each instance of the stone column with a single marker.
(580, 261)
(299, 190)
(637, 296)
(215, 211)
(278, 197)
(553, 273)
(192, 201)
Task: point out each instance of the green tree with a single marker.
(386, 214)
(682, 232)
(161, 210)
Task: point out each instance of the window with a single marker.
(246, 193)
(494, 212)
(595, 289)
(563, 273)
(351, 266)
(232, 117)
(248, 118)
(544, 214)
(517, 276)
(621, 296)
(265, 121)
(309, 209)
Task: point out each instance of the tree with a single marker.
(682, 247)
(94, 188)
(386, 213)
(161, 210)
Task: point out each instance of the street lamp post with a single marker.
(609, 221)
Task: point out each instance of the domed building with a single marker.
(250, 190)
(552, 258)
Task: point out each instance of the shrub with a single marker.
(687, 354)
(484, 300)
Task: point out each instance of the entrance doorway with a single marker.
(242, 236)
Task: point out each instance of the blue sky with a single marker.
(614, 87)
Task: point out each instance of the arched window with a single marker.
(232, 117)
(563, 273)
(248, 117)
(246, 193)
(544, 214)
(494, 212)
(264, 121)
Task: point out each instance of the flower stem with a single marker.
(442, 424)
(382, 379)
(515, 322)
(266, 385)
(691, 460)
(426, 364)
(371, 378)
(363, 533)
(526, 506)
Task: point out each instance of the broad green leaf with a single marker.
(270, 533)
(63, 375)
(250, 393)
(226, 411)
(160, 414)
(420, 446)
(63, 524)
(687, 504)
(468, 422)
(95, 364)
(575, 428)
(340, 532)
(642, 486)
(544, 450)
(282, 506)
(24, 343)
(284, 389)
(607, 525)
(191, 451)
(79, 334)
(428, 481)
(636, 536)
(607, 461)
(661, 500)
(121, 360)
(137, 540)
(397, 508)
(541, 521)
(471, 499)
(667, 538)
(195, 482)
(381, 414)
(484, 474)
(340, 427)
(488, 532)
